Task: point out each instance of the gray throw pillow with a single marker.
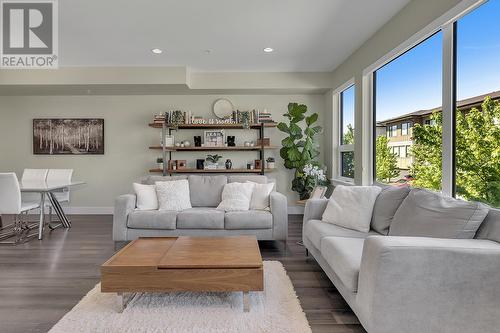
(206, 191)
(386, 205)
(490, 228)
(429, 214)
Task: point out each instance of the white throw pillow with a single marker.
(236, 196)
(260, 195)
(146, 197)
(351, 207)
(173, 195)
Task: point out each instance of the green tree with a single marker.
(386, 161)
(477, 153)
(427, 153)
(348, 136)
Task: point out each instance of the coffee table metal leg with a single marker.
(123, 300)
(246, 301)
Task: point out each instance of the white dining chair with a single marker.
(12, 204)
(35, 176)
(57, 176)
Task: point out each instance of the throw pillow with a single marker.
(260, 195)
(173, 195)
(236, 196)
(386, 205)
(146, 197)
(351, 207)
(429, 214)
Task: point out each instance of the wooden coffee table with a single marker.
(164, 264)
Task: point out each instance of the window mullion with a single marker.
(448, 92)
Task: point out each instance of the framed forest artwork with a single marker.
(67, 136)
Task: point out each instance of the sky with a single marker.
(412, 81)
(348, 108)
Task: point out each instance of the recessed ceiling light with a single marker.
(157, 51)
(268, 49)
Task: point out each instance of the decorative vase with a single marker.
(229, 164)
(200, 164)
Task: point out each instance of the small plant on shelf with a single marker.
(213, 161)
(159, 161)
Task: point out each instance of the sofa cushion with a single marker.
(206, 191)
(315, 230)
(429, 214)
(200, 218)
(490, 228)
(151, 180)
(386, 205)
(343, 254)
(351, 207)
(250, 219)
(152, 219)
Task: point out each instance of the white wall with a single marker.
(127, 137)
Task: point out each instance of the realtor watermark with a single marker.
(29, 36)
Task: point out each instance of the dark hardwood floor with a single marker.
(42, 280)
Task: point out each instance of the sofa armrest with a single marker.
(314, 209)
(124, 204)
(418, 284)
(279, 209)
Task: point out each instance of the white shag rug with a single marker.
(275, 310)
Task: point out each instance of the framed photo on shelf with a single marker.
(214, 138)
(318, 192)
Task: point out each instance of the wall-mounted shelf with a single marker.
(192, 148)
(213, 170)
(211, 126)
(168, 128)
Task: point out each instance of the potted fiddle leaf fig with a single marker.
(300, 147)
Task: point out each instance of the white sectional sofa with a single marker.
(398, 284)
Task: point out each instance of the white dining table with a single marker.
(47, 190)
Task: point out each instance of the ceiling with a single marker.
(307, 35)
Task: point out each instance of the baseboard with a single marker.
(292, 210)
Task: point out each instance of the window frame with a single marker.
(338, 147)
(447, 24)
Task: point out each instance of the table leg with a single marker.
(42, 213)
(246, 301)
(123, 300)
(59, 211)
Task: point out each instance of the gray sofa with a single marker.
(400, 284)
(203, 219)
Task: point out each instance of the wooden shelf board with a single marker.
(208, 126)
(192, 148)
(212, 170)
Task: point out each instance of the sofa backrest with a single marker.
(243, 178)
(490, 228)
(151, 180)
(206, 191)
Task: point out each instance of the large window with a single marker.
(451, 144)
(347, 132)
(477, 145)
(409, 86)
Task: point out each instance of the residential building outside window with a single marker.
(406, 90)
